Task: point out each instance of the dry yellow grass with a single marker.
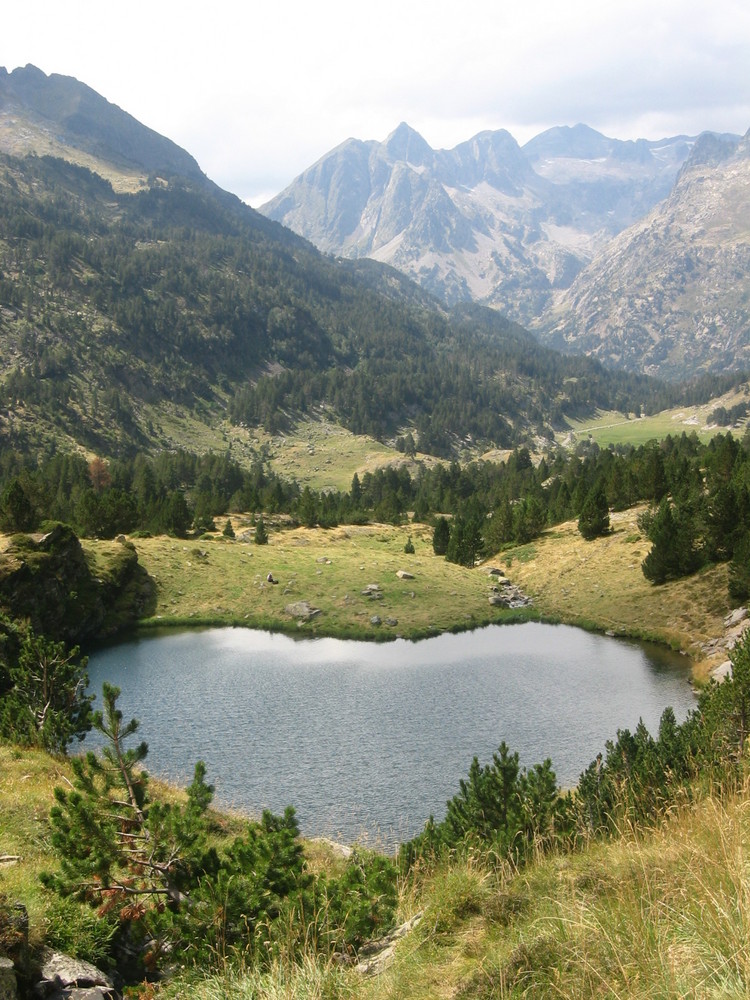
(600, 584)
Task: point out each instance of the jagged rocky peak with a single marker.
(710, 149)
(488, 220)
(406, 144)
(493, 157)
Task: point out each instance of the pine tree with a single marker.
(16, 510)
(261, 534)
(116, 848)
(739, 571)
(441, 536)
(594, 519)
(47, 704)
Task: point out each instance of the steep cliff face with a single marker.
(49, 582)
(489, 220)
(669, 296)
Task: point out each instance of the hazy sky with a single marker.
(257, 91)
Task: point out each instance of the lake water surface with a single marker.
(367, 740)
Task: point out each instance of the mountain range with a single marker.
(142, 307)
(548, 234)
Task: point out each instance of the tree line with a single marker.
(698, 496)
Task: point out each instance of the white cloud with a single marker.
(258, 93)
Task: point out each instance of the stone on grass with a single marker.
(302, 610)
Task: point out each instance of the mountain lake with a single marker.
(366, 740)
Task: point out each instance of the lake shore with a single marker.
(348, 580)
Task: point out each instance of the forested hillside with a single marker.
(117, 306)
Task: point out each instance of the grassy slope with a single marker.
(600, 584)
(651, 915)
(654, 914)
(595, 584)
(329, 569)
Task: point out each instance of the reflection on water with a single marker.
(367, 740)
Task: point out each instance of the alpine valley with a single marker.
(634, 252)
(164, 347)
(145, 308)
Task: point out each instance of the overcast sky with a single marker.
(257, 91)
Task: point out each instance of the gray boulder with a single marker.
(302, 610)
(8, 983)
(60, 974)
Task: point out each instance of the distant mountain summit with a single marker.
(671, 294)
(488, 221)
(56, 114)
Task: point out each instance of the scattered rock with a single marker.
(376, 956)
(736, 624)
(62, 973)
(508, 595)
(302, 610)
(721, 672)
(403, 575)
(735, 617)
(375, 620)
(497, 600)
(372, 588)
(340, 850)
(495, 572)
(392, 622)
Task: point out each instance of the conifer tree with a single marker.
(594, 519)
(441, 536)
(116, 848)
(47, 704)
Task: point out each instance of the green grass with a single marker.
(597, 585)
(613, 427)
(216, 581)
(600, 585)
(651, 915)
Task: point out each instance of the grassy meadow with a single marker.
(613, 428)
(221, 581)
(597, 585)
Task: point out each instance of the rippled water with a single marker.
(367, 740)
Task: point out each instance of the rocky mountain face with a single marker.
(56, 115)
(490, 221)
(124, 312)
(671, 294)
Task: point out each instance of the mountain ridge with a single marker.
(488, 220)
(68, 114)
(125, 314)
(675, 283)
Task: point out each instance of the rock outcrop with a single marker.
(47, 580)
(505, 594)
(375, 956)
(63, 977)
